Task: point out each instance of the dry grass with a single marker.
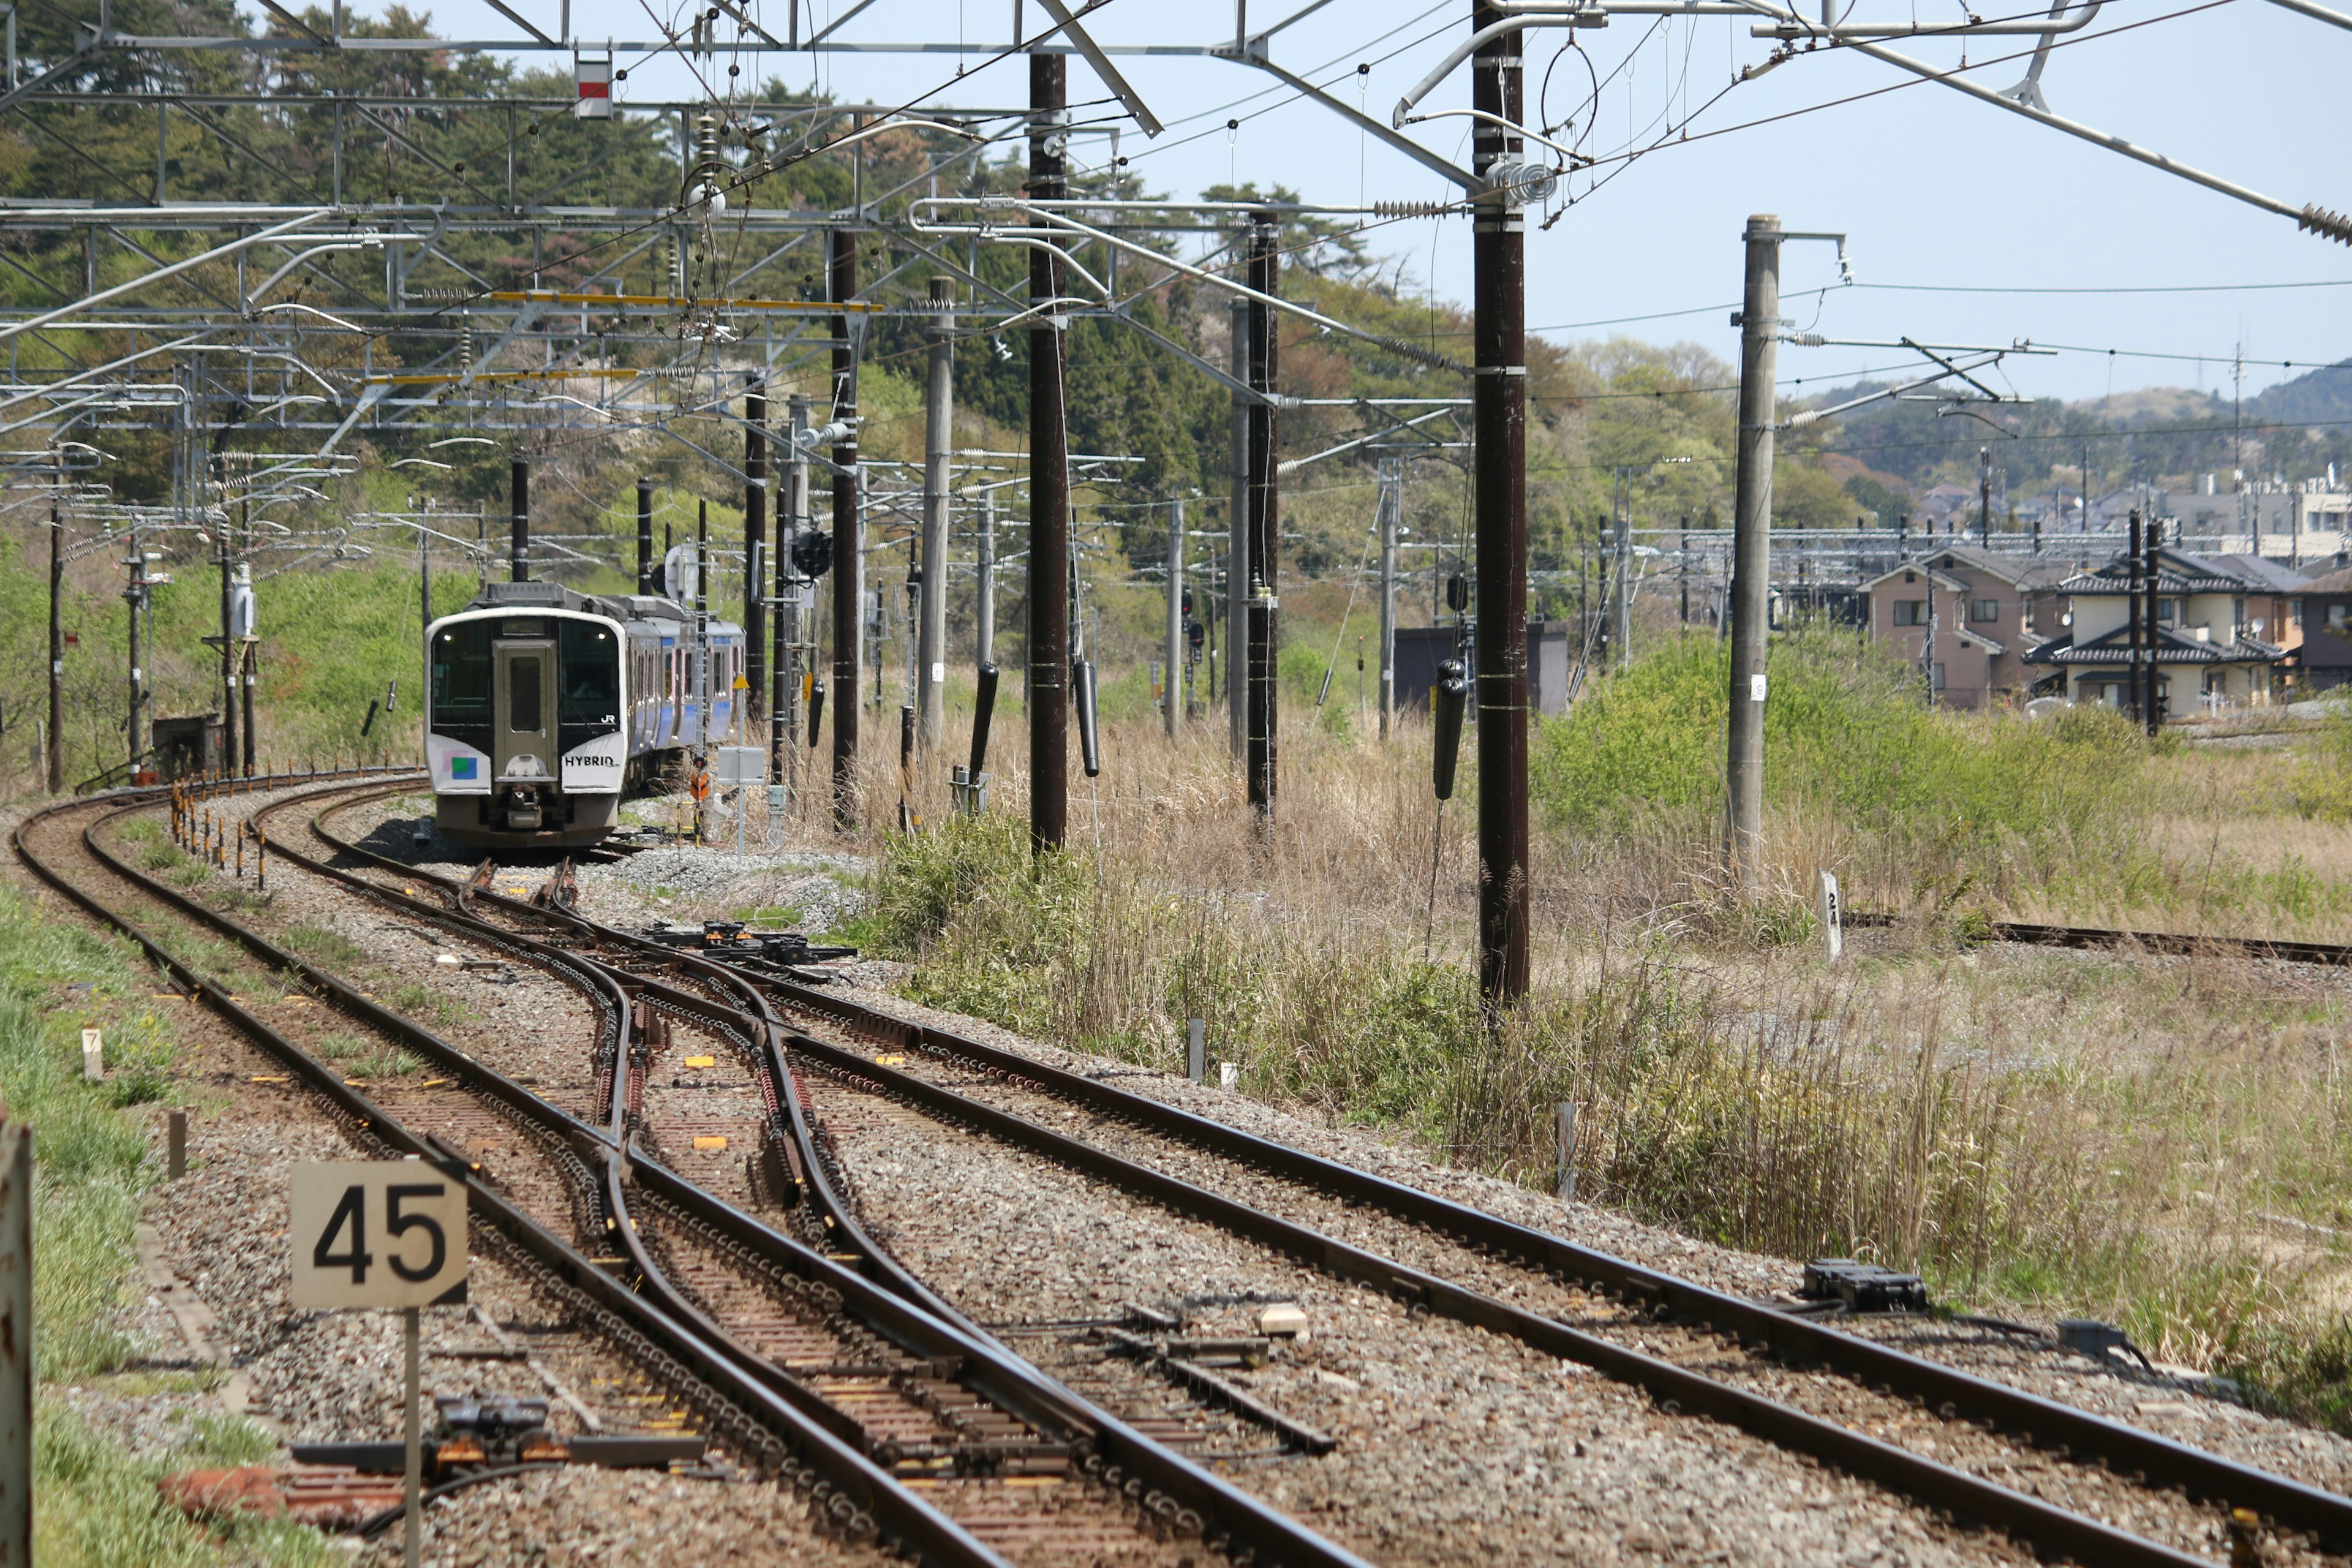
(2162, 1142)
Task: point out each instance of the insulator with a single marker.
(1420, 355)
(2317, 219)
(1411, 209)
(465, 346)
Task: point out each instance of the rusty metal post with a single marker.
(15, 1344)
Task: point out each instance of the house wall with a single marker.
(2185, 685)
(1972, 678)
(2326, 649)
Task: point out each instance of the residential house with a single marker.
(2323, 660)
(2206, 650)
(1966, 617)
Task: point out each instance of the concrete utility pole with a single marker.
(1391, 504)
(1984, 496)
(228, 660)
(1751, 551)
(755, 551)
(938, 440)
(1172, 699)
(645, 535)
(135, 595)
(1500, 393)
(1237, 537)
(2131, 617)
(1049, 474)
(848, 544)
(518, 522)
(985, 592)
(792, 519)
(1620, 589)
(1264, 561)
(56, 740)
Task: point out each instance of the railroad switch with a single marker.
(737, 942)
(2098, 1340)
(496, 1432)
(1863, 1287)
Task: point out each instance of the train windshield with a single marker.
(590, 675)
(461, 674)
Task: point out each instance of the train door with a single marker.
(525, 731)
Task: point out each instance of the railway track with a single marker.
(565, 1203)
(2171, 944)
(1023, 1466)
(2097, 1491)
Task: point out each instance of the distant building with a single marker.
(2291, 522)
(2322, 658)
(1965, 618)
(2207, 654)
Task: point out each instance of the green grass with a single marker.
(95, 1504)
(321, 944)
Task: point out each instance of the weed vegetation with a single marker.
(95, 1503)
(2164, 1142)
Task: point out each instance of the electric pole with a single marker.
(1237, 536)
(755, 550)
(1984, 496)
(1049, 473)
(1499, 393)
(228, 664)
(1171, 701)
(984, 593)
(57, 745)
(645, 536)
(849, 542)
(938, 440)
(1751, 550)
(792, 517)
(1265, 516)
(519, 522)
(1391, 504)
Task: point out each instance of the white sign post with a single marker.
(382, 1232)
(1832, 919)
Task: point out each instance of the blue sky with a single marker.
(1935, 190)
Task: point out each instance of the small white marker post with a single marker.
(1832, 919)
(1564, 1133)
(1196, 1049)
(93, 1056)
(418, 1211)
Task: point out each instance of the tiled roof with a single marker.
(2177, 572)
(2172, 648)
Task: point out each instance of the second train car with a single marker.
(548, 707)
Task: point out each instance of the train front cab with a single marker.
(525, 739)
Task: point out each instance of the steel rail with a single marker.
(910, 1329)
(855, 1494)
(2171, 944)
(1677, 1388)
(2130, 1451)
(1230, 1519)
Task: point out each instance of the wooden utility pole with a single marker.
(1049, 474)
(1499, 415)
